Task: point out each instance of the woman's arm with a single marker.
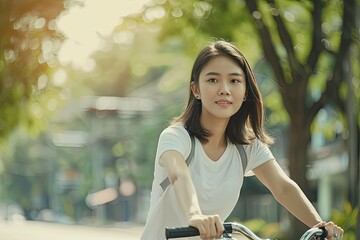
(209, 226)
(287, 192)
(179, 177)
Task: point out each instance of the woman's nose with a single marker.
(224, 90)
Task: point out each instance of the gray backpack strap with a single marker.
(243, 156)
(188, 160)
(192, 150)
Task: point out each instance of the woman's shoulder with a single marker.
(175, 130)
(258, 149)
(256, 146)
(256, 143)
(175, 137)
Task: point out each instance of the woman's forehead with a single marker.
(221, 64)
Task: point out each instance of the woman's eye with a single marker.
(213, 80)
(235, 81)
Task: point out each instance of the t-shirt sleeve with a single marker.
(257, 153)
(174, 138)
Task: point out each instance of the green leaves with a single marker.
(28, 51)
(346, 218)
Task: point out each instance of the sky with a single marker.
(83, 26)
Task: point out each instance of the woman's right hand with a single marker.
(209, 226)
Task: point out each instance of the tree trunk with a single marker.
(299, 139)
(297, 156)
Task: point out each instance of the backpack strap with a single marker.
(243, 156)
(188, 160)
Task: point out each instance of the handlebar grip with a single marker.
(324, 233)
(179, 232)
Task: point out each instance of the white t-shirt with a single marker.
(217, 183)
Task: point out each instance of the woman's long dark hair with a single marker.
(245, 125)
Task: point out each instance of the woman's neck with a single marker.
(217, 128)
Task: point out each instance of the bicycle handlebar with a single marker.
(321, 233)
(179, 232)
(233, 227)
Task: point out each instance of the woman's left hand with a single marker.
(334, 231)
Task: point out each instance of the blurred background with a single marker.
(86, 87)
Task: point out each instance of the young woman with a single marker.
(225, 108)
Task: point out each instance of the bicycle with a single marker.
(238, 228)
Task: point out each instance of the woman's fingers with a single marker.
(334, 231)
(207, 229)
(219, 226)
(202, 231)
(212, 228)
(338, 233)
(209, 226)
(216, 227)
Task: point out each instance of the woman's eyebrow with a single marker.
(230, 74)
(236, 74)
(212, 73)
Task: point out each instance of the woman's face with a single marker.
(221, 88)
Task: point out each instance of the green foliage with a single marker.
(28, 53)
(207, 20)
(264, 229)
(346, 218)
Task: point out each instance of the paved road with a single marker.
(31, 230)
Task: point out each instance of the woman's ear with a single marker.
(195, 90)
(245, 97)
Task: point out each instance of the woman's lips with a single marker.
(223, 102)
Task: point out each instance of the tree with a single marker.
(28, 46)
(306, 43)
(294, 75)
